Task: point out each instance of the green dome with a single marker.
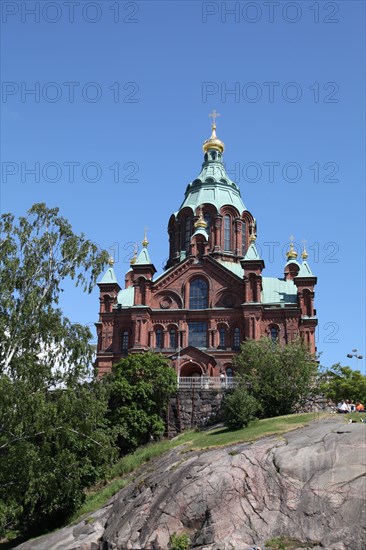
(213, 186)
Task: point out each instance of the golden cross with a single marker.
(214, 114)
(304, 241)
(292, 238)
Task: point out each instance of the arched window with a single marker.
(198, 294)
(307, 303)
(222, 334)
(229, 372)
(243, 239)
(207, 218)
(125, 340)
(107, 304)
(274, 334)
(159, 338)
(172, 338)
(227, 232)
(236, 338)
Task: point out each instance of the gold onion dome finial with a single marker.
(201, 221)
(252, 236)
(134, 257)
(111, 261)
(145, 242)
(291, 254)
(304, 253)
(214, 142)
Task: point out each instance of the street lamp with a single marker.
(354, 354)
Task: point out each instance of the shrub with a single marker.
(239, 408)
(179, 542)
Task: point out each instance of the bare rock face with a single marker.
(308, 485)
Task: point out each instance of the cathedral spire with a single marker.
(145, 242)
(214, 142)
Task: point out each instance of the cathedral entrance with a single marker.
(191, 370)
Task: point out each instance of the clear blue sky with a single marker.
(134, 89)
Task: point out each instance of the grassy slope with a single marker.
(218, 437)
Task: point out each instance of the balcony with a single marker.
(205, 383)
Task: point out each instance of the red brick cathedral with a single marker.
(212, 295)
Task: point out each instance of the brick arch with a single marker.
(231, 210)
(191, 368)
(167, 299)
(107, 302)
(248, 219)
(218, 299)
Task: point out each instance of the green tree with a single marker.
(340, 383)
(53, 436)
(140, 387)
(36, 255)
(239, 407)
(279, 377)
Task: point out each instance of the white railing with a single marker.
(205, 383)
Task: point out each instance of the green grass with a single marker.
(257, 429)
(351, 416)
(98, 498)
(119, 474)
(131, 462)
(287, 543)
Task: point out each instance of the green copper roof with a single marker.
(275, 291)
(126, 297)
(233, 267)
(143, 258)
(305, 270)
(252, 253)
(109, 276)
(213, 186)
(200, 231)
(278, 291)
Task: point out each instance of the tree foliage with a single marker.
(139, 387)
(53, 444)
(36, 255)
(340, 383)
(279, 377)
(239, 407)
(53, 441)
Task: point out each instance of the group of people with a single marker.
(345, 406)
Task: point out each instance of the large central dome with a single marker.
(213, 185)
(212, 215)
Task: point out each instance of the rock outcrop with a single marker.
(307, 485)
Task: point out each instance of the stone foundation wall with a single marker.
(199, 408)
(193, 408)
(316, 403)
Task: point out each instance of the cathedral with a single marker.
(212, 295)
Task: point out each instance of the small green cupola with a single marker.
(109, 288)
(141, 264)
